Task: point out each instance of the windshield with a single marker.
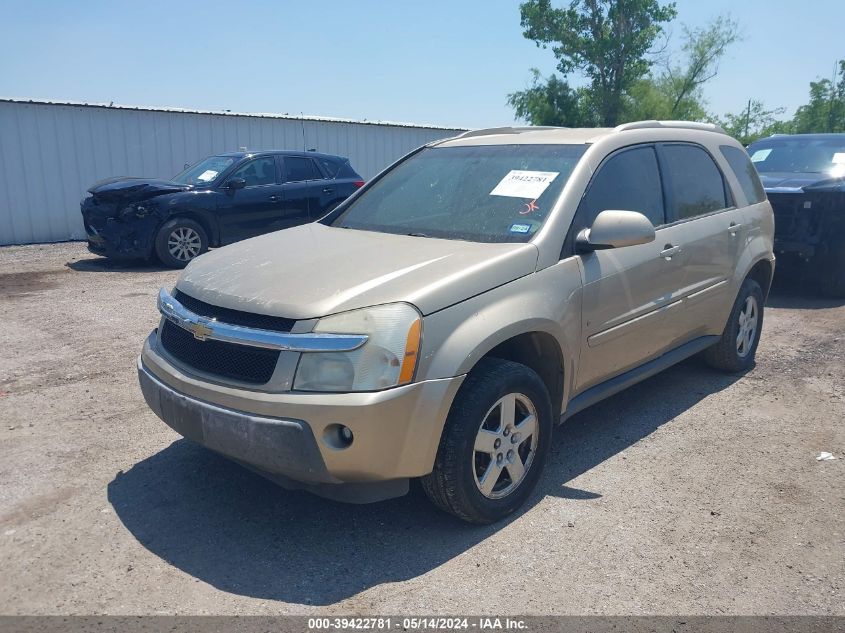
(490, 193)
(205, 171)
(800, 155)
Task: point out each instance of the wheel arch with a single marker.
(762, 271)
(205, 222)
(539, 351)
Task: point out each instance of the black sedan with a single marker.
(220, 200)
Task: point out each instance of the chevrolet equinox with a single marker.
(445, 317)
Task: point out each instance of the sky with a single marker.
(449, 63)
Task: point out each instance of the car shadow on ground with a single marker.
(797, 294)
(240, 533)
(106, 265)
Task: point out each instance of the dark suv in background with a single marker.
(804, 178)
(220, 200)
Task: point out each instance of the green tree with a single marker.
(704, 49)
(606, 40)
(826, 110)
(551, 102)
(756, 121)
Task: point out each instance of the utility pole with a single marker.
(747, 118)
(832, 97)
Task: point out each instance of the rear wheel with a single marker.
(494, 444)
(736, 348)
(179, 241)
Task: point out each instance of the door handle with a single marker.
(274, 198)
(328, 190)
(734, 228)
(670, 250)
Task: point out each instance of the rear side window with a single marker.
(745, 173)
(346, 171)
(694, 182)
(298, 169)
(628, 181)
(330, 167)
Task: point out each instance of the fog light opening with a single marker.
(338, 436)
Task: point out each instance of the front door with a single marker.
(258, 207)
(629, 293)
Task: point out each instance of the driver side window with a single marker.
(261, 171)
(629, 181)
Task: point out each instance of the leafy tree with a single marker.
(826, 110)
(704, 48)
(551, 102)
(606, 40)
(755, 122)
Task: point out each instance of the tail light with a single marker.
(358, 184)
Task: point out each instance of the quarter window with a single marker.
(261, 171)
(628, 181)
(694, 182)
(745, 173)
(299, 169)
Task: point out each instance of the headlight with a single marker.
(136, 210)
(387, 359)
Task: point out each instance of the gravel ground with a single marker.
(691, 493)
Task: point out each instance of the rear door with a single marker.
(701, 206)
(629, 293)
(255, 209)
(303, 189)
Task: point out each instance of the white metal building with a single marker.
(50, 152)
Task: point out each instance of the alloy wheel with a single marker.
(184, 243)
(505, 446)
(748, 317)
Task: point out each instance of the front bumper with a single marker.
(396, 432)
(119, 240)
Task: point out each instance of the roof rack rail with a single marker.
(687, 125)
(507, 130)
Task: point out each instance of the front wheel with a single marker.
(736, 348)
(494, 444)
(179, 241)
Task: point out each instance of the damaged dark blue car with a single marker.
(220, 200)
(804, 178)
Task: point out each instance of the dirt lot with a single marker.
(691, 493)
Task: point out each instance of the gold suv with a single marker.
(441, 321)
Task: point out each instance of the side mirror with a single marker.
(615, 229)
(235, 183)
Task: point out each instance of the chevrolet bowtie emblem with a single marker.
(199, 330)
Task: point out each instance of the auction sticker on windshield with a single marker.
(524, 184)
(208, 174)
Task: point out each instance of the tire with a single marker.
(455, 485)
(832, 274)
(732, 354)
(180, 240)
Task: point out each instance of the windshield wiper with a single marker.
(417, 234)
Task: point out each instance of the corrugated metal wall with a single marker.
(51, 153)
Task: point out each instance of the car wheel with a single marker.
(736, 348)
(179, 241)
(832, 277)
(494, 443)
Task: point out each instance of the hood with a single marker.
(315, 270)
(791, 182)
(131, 189)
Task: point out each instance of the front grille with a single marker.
(239, 362)
(794, 220)
(235, 317)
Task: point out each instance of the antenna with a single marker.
(302, 121)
